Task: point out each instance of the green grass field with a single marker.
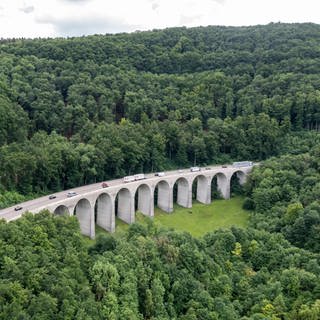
(200, 218)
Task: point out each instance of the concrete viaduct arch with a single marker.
(101, 205)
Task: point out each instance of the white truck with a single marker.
(128, 179)
(139, 176)
(136, 177)
(242, 164)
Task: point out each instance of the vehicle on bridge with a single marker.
(139, 176)
(52, 196)
(136, 177)
(71, 194)
(242, 164)
(128, 179)
(86, 198)
(159, 174)
(104, 185)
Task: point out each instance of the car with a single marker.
(104, 185)
(71, 194)
(180, 170)
(52, 197)
(159, 174)
(128, 179)
(17, 208)
(195, 169)
(224, 166)
(207, 168)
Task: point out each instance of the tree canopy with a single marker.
(79, 110)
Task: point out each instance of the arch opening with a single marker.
(163, 196)
(182, 194)
(85, 214)
(143, 200)
(237, 181)
(124, 206)
(104, 212)
(61, 210)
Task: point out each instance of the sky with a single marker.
(67, 18)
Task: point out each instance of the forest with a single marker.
(80, 110)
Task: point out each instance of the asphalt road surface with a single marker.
(10, 213)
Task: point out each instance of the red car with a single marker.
(104, 185)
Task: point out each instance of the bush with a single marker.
(248, 204)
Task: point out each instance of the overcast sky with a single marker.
(52, 18)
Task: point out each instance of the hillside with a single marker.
(80, 110)
(201, 95)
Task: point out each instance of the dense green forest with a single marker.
(80, 110)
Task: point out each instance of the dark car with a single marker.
(17, 208)
(224, 166)
(52, 197)
(104, 185)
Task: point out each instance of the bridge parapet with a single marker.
(94, 204)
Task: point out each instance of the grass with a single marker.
(200, 218)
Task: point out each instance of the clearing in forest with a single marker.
(201, 218)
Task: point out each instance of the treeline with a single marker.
(47, 272)
(64, 96)
(52, 162)
(75, 111)
(78, 110)
(285, 193)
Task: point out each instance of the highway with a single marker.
(10, 213)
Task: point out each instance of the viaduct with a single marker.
(96, 205)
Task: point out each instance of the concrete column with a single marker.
(223, 184)
(125, 206)
(85, 214)
(105, 212)
(189, 204)
(151, 205)
(145, 200)
(92, 224)
(242, 177)
(113, 218)
(165, 196)
(203, 190)
(184, 192)
(132, 209)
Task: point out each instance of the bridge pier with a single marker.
(242, 177)
(145, 201)
(125, 206)
(105, 212)
(223, 184)
(165, 197)
(184, 193)
(85, 214)
(83, 204)
(203, 190)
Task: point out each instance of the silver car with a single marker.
(71, 194)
